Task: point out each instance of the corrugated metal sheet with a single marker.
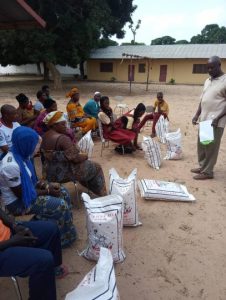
(16, 14)
(162, 51)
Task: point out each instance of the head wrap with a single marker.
(24, 140)
(54, 117)
(97, 94)
(22, 98)
(72, 92)
(48, 103)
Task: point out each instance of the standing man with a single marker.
(212, 106)
(92, 107)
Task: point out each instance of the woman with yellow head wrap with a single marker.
(54, 117)
(76, 114)
(63, 160)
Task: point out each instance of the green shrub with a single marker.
(172, 81)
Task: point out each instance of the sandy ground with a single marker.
(179, 252)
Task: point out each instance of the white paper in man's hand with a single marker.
(206, 132)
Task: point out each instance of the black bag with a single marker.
(127, 150)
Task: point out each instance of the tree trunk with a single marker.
(39, 69)
(81, 68)
(56, 76)
(46, 72)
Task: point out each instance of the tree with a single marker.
(134, 29)
(165, 40)
(182, 42)
(211, 34)
(131, 44)
(103, 43)
(74, 27)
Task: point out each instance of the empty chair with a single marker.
(120, 107)
(103, 140)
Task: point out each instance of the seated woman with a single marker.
(64, 163)
(131, 121)
(39, 126)
(32, 249)
(25, 111)
(76, 115)
(118, 135)
(161, 108)
(22, 193)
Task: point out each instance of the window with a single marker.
(141, 68)
(199, 69)
(106, 67)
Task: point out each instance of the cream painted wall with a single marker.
(180, 70)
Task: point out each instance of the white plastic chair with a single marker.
(17, 287)
(120, 107)
(103, 140)
(149, 109)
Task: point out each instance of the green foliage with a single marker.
(73, 29)
(103, 43)
(165, 40)
(172, 81)
(182, 42)
(211, 34)
(132, 44)
(113, 79)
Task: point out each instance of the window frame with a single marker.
(140, 70)
(199, 69)
(106, 67)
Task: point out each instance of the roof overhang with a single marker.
(17, 14)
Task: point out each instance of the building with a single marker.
(31, 69)
(182, 64)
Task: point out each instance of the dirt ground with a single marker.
(180, 250)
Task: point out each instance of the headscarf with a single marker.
(48, 103)
(72, 92)
(22, 98)
(54, 117)
(24, 140)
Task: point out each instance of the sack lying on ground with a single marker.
(161, 128)
(164, 190)
(173, 143)
(104, 222)
(152, 152)
(127, 188)
(86, 144)
(99, 283)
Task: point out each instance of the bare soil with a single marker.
(180, 250)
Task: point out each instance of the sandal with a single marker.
(61, 272)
